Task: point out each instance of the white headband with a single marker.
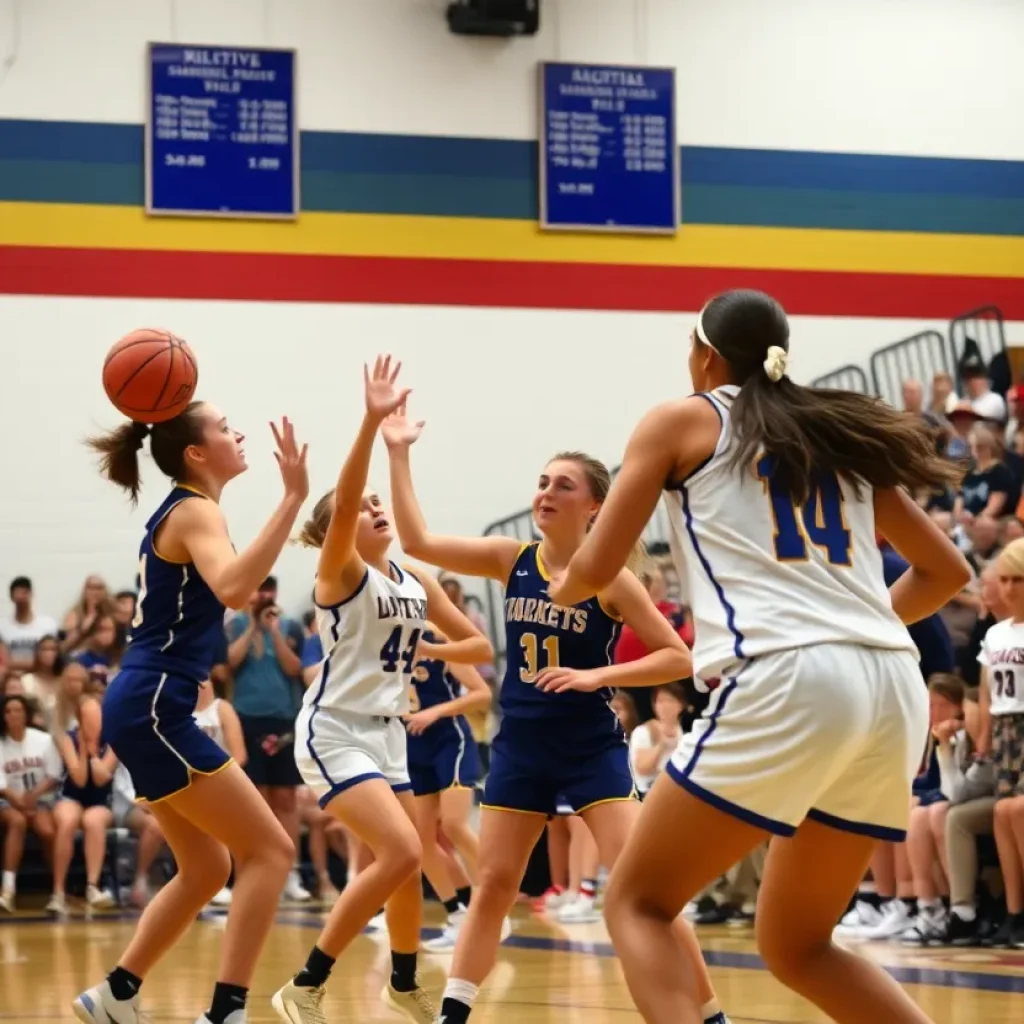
(775, 361)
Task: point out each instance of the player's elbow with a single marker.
(415, 545)
(232, 597)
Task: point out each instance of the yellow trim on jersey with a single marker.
(192, 773)
(512, 810)
(515, 561)
(608, 800)
(541, 567)
(194, 490)
(608, 610)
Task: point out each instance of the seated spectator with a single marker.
(913, 397)
(24, 629)
(984, 401)
(77, 707)
(42, 681)
(13, 685)
(124, 611)
(988, 487)
(138, 819)
(83, 803)
(653, 742)
(99, 652)
(926, 837)
(943, 395)
(94, 601)
(30, 770)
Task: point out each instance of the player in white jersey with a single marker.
(775, 492)
(1002, 728)
(350, 743)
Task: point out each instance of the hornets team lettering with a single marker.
(541, 634)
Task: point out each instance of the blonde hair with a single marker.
(982, 436)
(1012, 557)
(314, 529)
(600, 482)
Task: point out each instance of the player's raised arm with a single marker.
(492, 557)
(938, 571)
(340, 570)
(199, 527)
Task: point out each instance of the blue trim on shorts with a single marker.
(777, 828)
(858, 828)
(402, 787)
(340, 787)
(325, 671)
(712, 723)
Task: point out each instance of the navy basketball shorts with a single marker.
(147, 719)
(449, 760)
(539, 766)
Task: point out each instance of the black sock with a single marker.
(226, 999)
(316, 971)
(910, 903)
(123, 984)
(403, 971)
(454, 1012)
(464, 894)
(452, 905)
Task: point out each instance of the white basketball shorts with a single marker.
(833, 732)
(335, 750)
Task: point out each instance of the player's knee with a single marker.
(14, 822)
(1001, 814)
(498, 878)
(785, 954)
(404, 855)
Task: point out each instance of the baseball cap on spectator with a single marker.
(961, 408)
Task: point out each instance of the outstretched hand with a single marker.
(382, 396)
(291, 460)
(400, 432)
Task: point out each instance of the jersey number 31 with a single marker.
(818, 521)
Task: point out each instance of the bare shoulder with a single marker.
(679, 433)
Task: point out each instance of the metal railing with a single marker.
(846, 378)
(920, 356)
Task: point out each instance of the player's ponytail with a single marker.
(809, 430)
(119, 448)
(314, 530)
(119, 455)
(600, 481)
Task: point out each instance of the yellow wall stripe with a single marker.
(125, 227)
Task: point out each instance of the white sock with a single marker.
(965, 912)
(464, 992)
(8, 881)
(930, 907)
(709, 1009)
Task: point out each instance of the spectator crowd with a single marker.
(957, 880)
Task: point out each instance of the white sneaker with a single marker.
(445, 942)
(506, 929)
(300, 1005)
(222, 899)
(97, 898)
(57, 905)
(378, 923)
(927, 930)
(234, 1017)
(415, 1005)
(294, 889)
(98, 1006)
(580, 911)
(896, 919)
(556, 899)
(864, 915)
(7, 902)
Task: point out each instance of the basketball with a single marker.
(150, 375)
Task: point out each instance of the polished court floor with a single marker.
(546, 973)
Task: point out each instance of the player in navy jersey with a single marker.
(206, 806)
(350, 741)
(774, 492)
(552, 742)
(444, 766)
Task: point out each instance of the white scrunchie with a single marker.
(775, 363)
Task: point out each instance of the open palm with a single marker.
(382, 396)
(399, 431)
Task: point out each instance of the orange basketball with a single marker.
(150, 375)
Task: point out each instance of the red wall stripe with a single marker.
(263, 277)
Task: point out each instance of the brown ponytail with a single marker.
(119, 448)
(811, 430)
(119, 455)
(314, 530)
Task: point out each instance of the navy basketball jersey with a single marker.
(432, 683)
(179, 621)
(539, 635)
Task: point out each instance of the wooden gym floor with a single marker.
(546, 974)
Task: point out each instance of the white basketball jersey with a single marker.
(1002, 653)
(26, 762)
(369, 643)
(209, 721)
(763, 575)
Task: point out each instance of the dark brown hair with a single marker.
(809, 430)
(119, 449)
(948, 685)
(600, 482)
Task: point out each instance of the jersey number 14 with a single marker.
(818, 521)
